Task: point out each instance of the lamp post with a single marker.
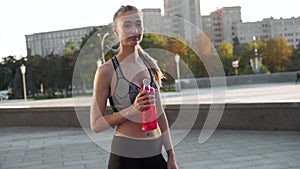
(255, 60)
(102, 59)
(23, 71)
(102, 47)
(177, 59)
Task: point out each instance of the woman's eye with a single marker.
(127, 25)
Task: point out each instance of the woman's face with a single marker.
(129, 28)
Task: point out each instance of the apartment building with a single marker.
(45, 43)
(225, 24)
(220, 24)
(288, 29)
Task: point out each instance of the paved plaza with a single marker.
(66, 148)
(254, 93)
(71, 148)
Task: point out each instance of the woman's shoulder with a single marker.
(106, 68)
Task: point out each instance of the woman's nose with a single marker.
(134, 29)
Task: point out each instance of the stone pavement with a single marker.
(250, 93)
(64, 148)
(71, 148)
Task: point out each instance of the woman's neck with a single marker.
(129, 54)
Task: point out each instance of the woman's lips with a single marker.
(135, 37)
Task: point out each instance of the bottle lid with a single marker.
(146, 82)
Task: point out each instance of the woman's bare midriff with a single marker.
(134, 130)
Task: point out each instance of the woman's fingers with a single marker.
(144, 100)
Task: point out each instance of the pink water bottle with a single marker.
(148, 115)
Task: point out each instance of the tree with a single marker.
(35, 77)
(248, 52)
(67, 62)
(151, 40)
(225, 51)
(5, 77)
(51, 73)
(236, 41)
(14, 75)
(164, 49)
(295, 59)
(242, 52)
(277, 54)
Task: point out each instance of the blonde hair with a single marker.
(152, 65)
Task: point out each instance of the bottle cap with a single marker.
(146, 82)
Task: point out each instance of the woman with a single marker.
(120, 80)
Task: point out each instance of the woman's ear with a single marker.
(115, 31)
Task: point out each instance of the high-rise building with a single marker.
(220, 24)
(152, 20)
(185, 16)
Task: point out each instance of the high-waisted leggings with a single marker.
(129, 153)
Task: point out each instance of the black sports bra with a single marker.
(125, 91)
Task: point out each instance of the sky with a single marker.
(22, 17)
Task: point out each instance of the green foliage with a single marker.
(168, 89)
(225, 51)
(242, 53)
(57, 73)
(11, 75)
(277, 54)
(190, 64)
(295, 60)
(5, 77)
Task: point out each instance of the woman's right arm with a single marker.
(99, 121)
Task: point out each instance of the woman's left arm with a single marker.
(166, 136)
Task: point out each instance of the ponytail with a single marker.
(152, 65)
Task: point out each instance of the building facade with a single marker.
(185, 17)
(288, 29)
(220, 25)
(153, 20)
(54, 42)
(225, 24)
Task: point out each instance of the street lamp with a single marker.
(255, 60)
(177, 82)
(102, 46)
(101, 60)
(23, 71)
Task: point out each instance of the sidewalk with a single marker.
(254, 93)
(71, 148)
